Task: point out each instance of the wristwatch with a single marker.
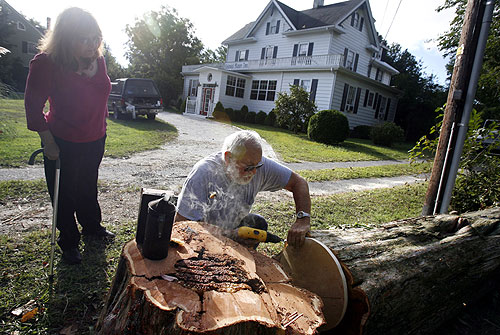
(302, 214)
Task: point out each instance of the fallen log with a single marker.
(208, 284)
(412, 275)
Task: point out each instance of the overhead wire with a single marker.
(388, 29)
(385, 11)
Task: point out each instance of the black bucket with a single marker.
(158, 229)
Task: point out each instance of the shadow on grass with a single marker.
(143, 124)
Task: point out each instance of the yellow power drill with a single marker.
(258, 234)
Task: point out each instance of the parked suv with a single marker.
(134, 96)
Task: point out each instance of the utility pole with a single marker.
(454, 105)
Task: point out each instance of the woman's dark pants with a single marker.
(77, 189)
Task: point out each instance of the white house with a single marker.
(332, 51)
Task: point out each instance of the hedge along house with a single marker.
(331, 51)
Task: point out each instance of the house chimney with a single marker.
(318, 3)
(48, 23)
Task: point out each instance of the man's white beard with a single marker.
(234, 175)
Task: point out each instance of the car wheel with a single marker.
(151, 116)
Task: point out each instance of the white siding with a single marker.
(365, 115)
(230, 101)
(356, 41)
(326, 80)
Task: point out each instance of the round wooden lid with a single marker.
(315, 268)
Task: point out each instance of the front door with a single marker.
(207, 100)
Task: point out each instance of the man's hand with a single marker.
(297, 233)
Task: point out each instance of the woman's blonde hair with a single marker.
(71, 25)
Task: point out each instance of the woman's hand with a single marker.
(50, 147)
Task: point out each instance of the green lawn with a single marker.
(297, 147)
(366, 172)
(124, 136)
(78, 292)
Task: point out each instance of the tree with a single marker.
(488, 90)
(420, 93)
(159, 44)
(294, 110)
(214, 56)
(115, 70)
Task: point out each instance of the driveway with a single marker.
(167, 167)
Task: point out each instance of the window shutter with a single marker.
(25, 47)
(278, 26)
(361, 24)
(367, 92)
(387, 109)
(376, 75)
(352, 19)
(310, 49)
(237, 55)
(296, 82)
(268, 25)
(369, 70)
(344, 97)
(314, 86)
(377, 110)
(356, 63)
(295, 50)
(246, 54)
(356, 104)
(346, 51)
(375, 101)
(275, 51)
(263, 53)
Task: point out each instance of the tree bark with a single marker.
(221, 287)
(416, 273)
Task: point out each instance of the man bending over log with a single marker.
(221, 188)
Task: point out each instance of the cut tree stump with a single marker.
(221, 287)
(410, 276)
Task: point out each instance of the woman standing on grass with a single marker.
(70, 73)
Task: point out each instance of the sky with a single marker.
(415, 26)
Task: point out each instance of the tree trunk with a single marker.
(416, 273)
(220, 287)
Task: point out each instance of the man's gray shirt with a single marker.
(209, 195)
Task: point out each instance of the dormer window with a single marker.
(273, 27)
(355, 20)
(21, 26)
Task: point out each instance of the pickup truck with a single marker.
(133, 97)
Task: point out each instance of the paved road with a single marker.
(167, 167)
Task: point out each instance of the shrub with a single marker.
(239, 115)
(230, 113)
(294, 110)
(244, 109)
(219, 107)
(250, 117)
(386, 134)
(328, 126)
(179, 103)
(361, 132)
(270, 119)
(260, 118)
(183, 106)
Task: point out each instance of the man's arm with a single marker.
(300, 189)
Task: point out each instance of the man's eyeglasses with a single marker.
(90, 40)
(249, 168)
